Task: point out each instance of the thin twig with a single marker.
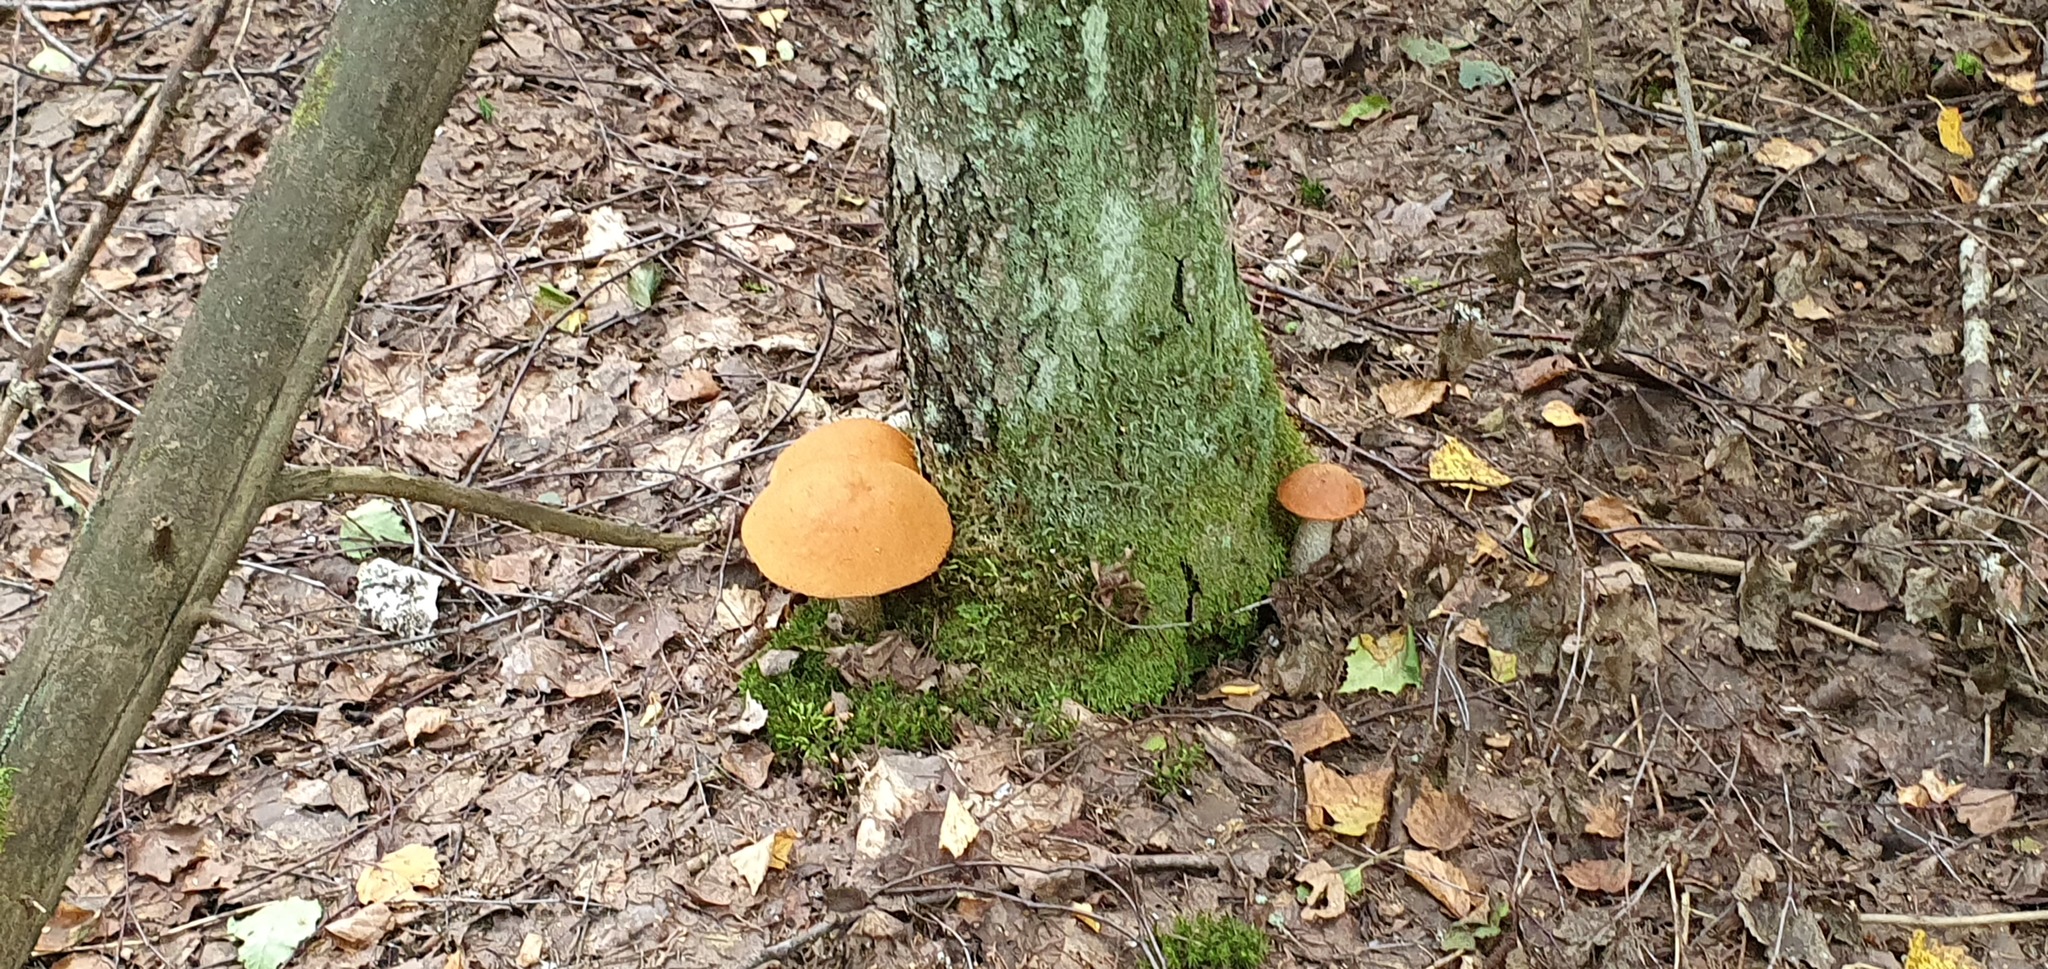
(1953, 921)
(112, 202)
(1701, 213)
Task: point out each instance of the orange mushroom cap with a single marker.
(1322, 492)
(853, 439)
(844, 529)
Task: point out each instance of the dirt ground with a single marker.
(1734, 663)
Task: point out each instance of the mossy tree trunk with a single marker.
(179, 508)
(1082, 357)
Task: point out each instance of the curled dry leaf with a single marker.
(1559, 413)
(420, 721)
(1326, 896)
(1450, 885)
(755, 860)
(1608, 875)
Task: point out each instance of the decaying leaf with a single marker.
(1925, 952)
(1929, 790)
(1325, 891)
(1606, 818)
(1348, 804)
(1450, 885)
(1455, 464)
(1985, 811)
(1438, 820)
(421, 721)
(1613, 516)
(1315, 731)
(754, 861)
(1788, 156)
(1389, 663)
(1559, 413)
(1411, 398)
(1608, 875)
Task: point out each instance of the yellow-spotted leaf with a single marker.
(1455, 464)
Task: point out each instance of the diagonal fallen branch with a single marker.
(1975, 257)
(313, 484)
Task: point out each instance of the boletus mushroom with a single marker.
(848, 528)
(1321, 495)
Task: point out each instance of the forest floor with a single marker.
(1737, 664)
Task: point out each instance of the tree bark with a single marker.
(200, 469)
(1082, 357)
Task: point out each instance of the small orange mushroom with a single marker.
(849, 530)
(853, 439)
(1321, 495)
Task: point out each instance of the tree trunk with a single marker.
(1082, 357)
(180, 505)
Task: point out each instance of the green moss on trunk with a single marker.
(1084, 364)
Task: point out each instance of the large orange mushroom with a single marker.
(855, 438)
(1321, 495)
(849, 530)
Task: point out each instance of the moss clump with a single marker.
(1214, 942)
(6, 805)
(1314, 193)
(796, 701)
(1839, 46)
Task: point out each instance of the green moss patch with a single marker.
(1839, 46)
(6, 805)
(1214, 942)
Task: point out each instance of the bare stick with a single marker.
(1703, 213)
(312, 484)
(111, 202)
(1976, 266)
(1953, 921)
(1698, 562)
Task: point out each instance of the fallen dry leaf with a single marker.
(1347, 804)
(1614, 516)
(1786, 155)
(363, 927)
(1411, 398)
(1950, 127)
(1608, 875)
(1439, 820)
(1925, 952)
(959, 829)
(1315, 731)
(1457, 891)
(400, 876)
(755, 860)
(1455, 464)
(1084, 913)
(1326, 895)
(420, 721)
(1606, 819)
(749, 763)
(1558, 413)
(1985, 811)
(1538, 374)
(531, 948)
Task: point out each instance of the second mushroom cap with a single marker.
(1322, 492)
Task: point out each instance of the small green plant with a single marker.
(1314, 193)
(797, 703)
(1213, 942)
(1968, 65)
(486, 110)
(1173, 766)
(1838, 44)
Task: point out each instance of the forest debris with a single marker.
(1438, 819)
(1315, 731)
(1349, 804)
(1698, 562)
(1326, 895)
(1453, 888)
(1609, 875)
(1411, 398)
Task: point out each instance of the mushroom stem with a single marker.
(1311, 543)
(863, 613)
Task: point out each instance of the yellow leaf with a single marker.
(1085, 913)
(1456, 465)
(1965, 192)
(1951, 128)
(1924, 952)
(400, 876)
(1558, 413)
(1503, 665)
(959, 828)
(1353, 804)
(1484, 548)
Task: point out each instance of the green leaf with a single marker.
(1465, 934)
(1154, 744)
(1477, 74)
(82, 469)
(1387, 663)
(1967, 64)
(642, 283)
(554, 306)
(372, 524)
(272, 933)
(1365, 109)
(1426, 52)
(486, 110)
(1354, 881)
